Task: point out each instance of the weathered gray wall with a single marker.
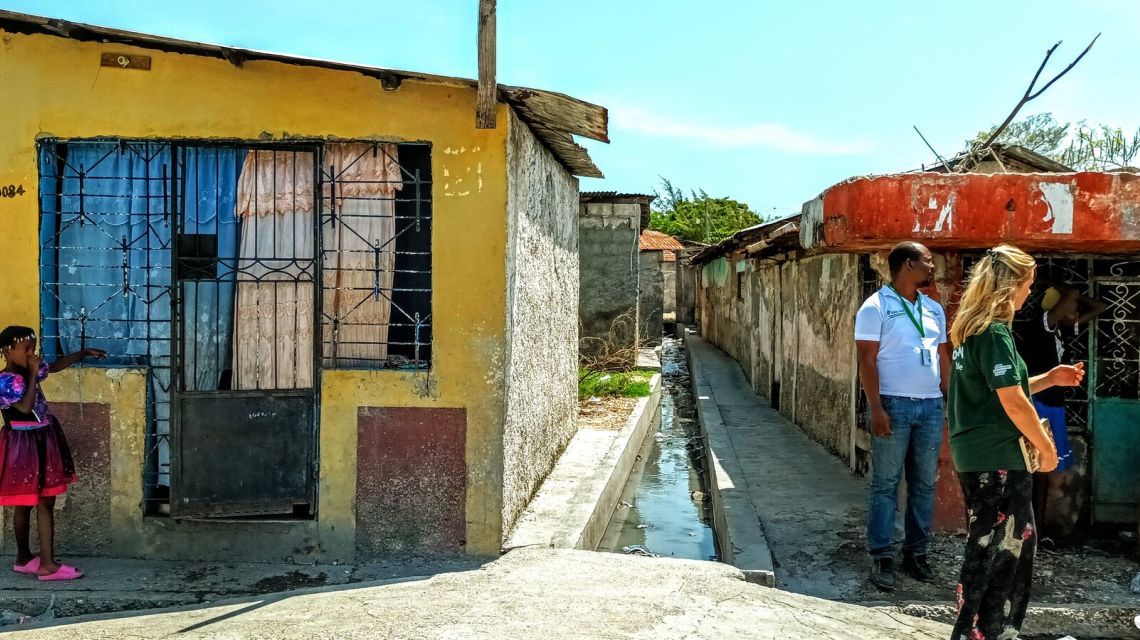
(669, 287)
(827, 296)
(651, 299)
(542, 317)
(789, 325)
(686, 286)
(608, 269)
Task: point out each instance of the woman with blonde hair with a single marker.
(989, 412)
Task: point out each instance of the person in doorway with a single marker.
(1042, 341)
(904, 359)
(989, 411)
(35, 461)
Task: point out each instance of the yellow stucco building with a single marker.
(341, 318)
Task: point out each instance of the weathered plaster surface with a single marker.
(686, 290)
(542, 317)
(790, 328)
(1037, 212)
(651, 298)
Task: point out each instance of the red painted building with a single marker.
(1085, 229)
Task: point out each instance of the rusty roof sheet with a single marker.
(555, 118)
(780, 234)
(656, 241)
(614, 196)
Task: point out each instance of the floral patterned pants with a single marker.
(993, 592)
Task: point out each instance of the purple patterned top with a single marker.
(12, 391)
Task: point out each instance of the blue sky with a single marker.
(765, 101)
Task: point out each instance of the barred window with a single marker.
(223, 268)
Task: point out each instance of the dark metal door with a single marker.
(245, 258)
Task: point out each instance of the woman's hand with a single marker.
(1067, 375)
(1049, 460)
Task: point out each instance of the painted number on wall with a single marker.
(11, 191)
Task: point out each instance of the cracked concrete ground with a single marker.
(530, 593)
(813, 512)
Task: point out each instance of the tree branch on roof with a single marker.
(975, 154)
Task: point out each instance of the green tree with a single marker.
(1077, 145)
(698, 216)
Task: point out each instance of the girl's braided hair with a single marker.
(15, 334)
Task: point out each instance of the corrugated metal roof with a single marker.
(611, 196)
(1010, 153)
(656, 241)
(784, 232)
(554, 117)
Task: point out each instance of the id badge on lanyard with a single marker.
(927, 358)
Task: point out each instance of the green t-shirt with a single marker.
(982, 437)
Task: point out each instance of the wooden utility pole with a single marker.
(488, 88)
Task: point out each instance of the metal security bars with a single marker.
(376, 230)
(1117, 284)
(232, 274)
(105, 266)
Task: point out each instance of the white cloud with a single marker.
(761, 134)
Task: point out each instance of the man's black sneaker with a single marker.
(917, 566)
(883, 573)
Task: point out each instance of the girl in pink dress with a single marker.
(35, 461)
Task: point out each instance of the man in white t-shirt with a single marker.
(904, 365)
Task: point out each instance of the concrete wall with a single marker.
(669, 287)
(686, 289)
(651, 299)
(827, 296)
(789, 325)
(608, 272)
(187, 96)
(542, 302)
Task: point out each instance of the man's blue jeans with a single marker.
(916, 437)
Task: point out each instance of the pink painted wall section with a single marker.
(1038, 212)
(411, 475)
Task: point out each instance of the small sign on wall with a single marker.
(125, 61)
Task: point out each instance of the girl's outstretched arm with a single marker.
(66, 361)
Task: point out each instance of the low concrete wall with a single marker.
(736, 524)
(574, 504)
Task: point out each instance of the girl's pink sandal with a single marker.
(32, 566)
(65, 572)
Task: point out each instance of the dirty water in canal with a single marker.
(663, 509)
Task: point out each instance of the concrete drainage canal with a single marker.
(664, 508)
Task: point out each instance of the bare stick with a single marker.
(936, 154)
(997, 159)
(1066, 69)
(1030, 94)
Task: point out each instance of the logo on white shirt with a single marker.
(1001, 369)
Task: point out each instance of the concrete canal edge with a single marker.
(572, 508)
(736, 523)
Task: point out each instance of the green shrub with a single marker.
(601, 384)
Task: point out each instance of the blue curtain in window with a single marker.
(210, 177)
(106, 234)
(105, 260)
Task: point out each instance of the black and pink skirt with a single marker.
(35, 462)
